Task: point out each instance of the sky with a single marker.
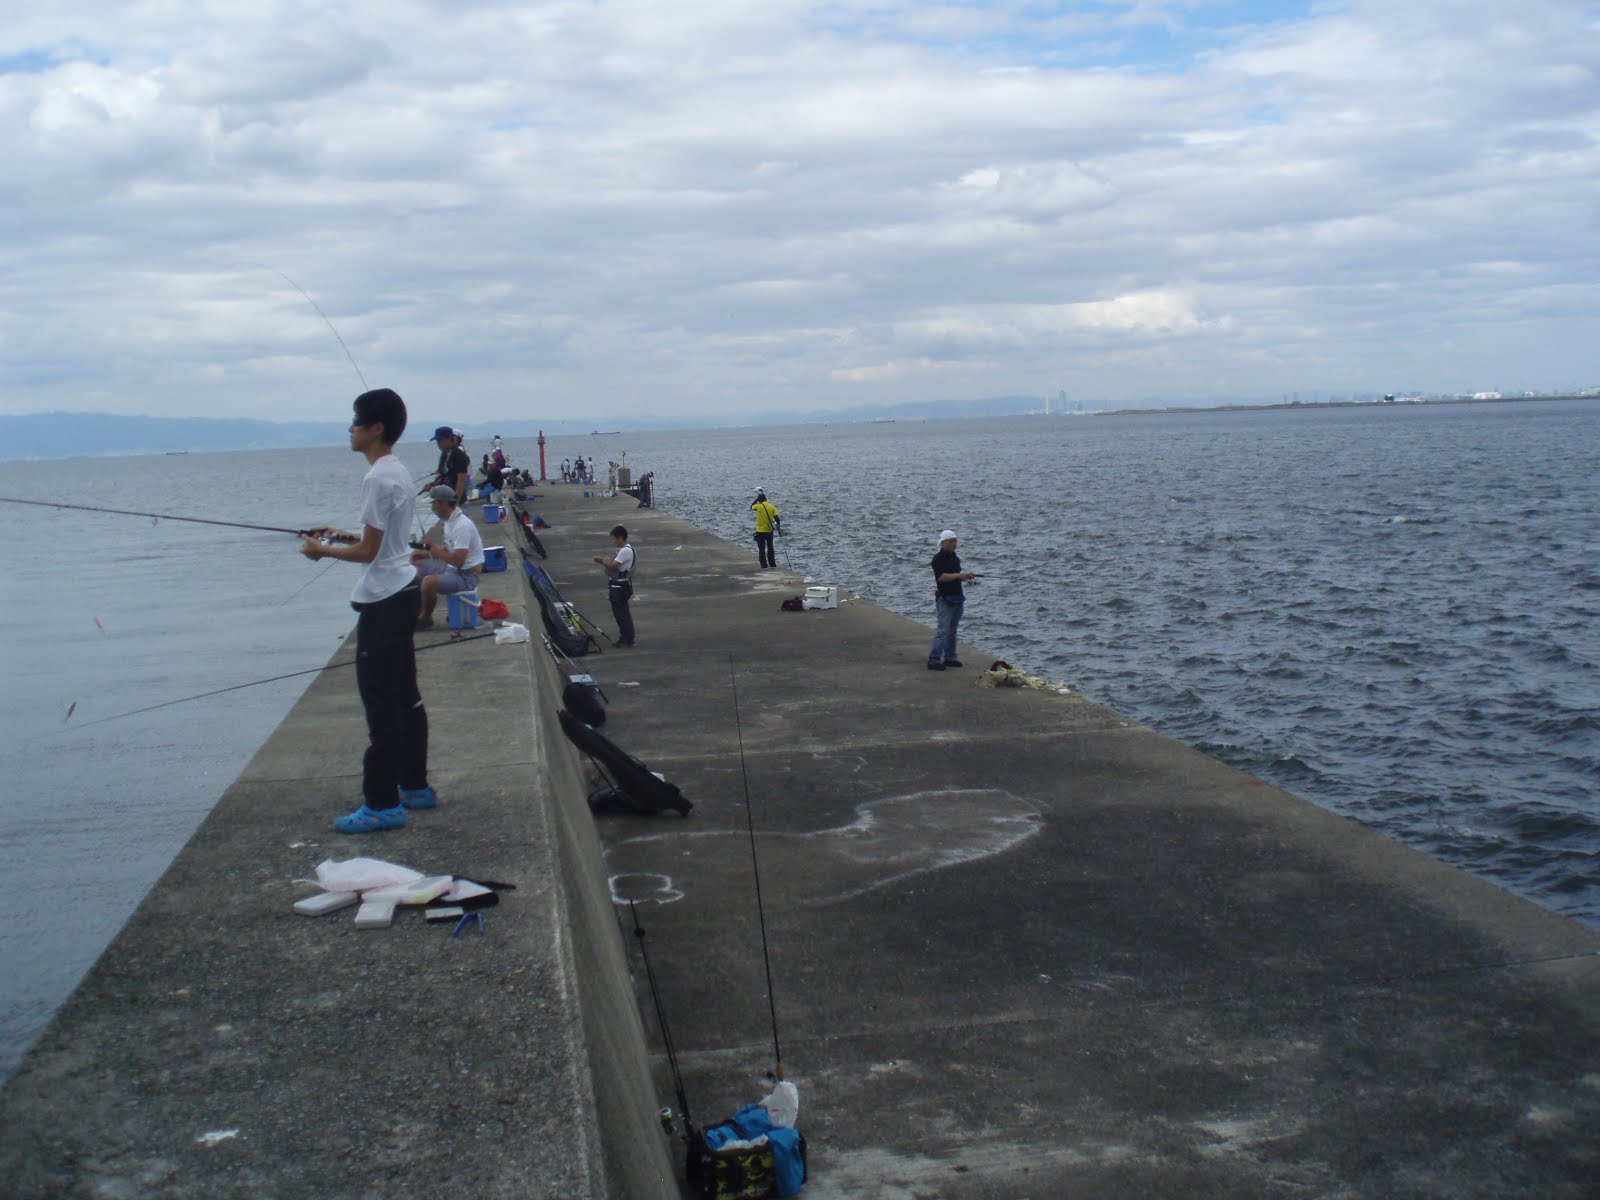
(710, 208)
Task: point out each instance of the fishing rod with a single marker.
(350, 662)
(127, 512)
(666, 1038)
(324, 316)
(557, 653)
(562, 599)
(755, 870)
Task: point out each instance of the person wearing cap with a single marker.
(454, 566)
(394, 771)
(455, 468)
(766, 523)
(948, 601)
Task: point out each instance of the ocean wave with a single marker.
(1408, 639)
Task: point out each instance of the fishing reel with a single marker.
(329, 537)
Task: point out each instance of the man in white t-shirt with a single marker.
(454, 566)
(394, 774)
(619, 569)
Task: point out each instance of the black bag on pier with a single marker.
(582, 700)
(634, 788)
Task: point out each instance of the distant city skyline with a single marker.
(629, 213)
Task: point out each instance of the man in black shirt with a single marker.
(455, 468)
(947, 602)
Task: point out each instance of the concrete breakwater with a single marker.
(1020, 946)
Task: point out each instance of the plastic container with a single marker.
(460, 614)
(494, 559)
(492, 514)
(821, 597)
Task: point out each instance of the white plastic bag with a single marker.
(510, 633)
(363, 874)
(783, 1105)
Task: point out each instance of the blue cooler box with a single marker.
(494, 559)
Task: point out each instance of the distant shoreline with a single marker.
(1292, 404)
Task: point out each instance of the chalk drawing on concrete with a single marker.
(889, 841)
(642, 887)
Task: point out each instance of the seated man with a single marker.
(453, 567)
(494, 476)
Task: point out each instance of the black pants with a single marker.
(621, 592)
(386, 676)
(764, 550)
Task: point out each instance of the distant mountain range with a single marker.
(67, 435)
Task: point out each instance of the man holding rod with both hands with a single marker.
(394, 775)
(948, 601)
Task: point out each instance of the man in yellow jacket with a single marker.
(767, 523)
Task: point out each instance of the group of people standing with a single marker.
(575, 470)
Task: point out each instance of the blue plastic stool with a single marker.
(462, 611)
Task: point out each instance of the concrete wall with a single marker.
(635, 1151)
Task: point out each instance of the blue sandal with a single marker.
(424, 797)
(370, 820)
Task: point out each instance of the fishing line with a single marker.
(323, 315)
(350, 662)
(330, 563)
(666, 1036)
(755, 870)
(126, 512)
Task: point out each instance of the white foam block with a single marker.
(325, 902)
(419, 892)
(375, 914)
(465, 889)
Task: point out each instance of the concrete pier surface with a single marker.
(1020, 946)
(225, 1046)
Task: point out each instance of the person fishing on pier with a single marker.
(767, 523)
(452, 561)
(394, 775)
(948, 602)
(619, 569)
(455, 467)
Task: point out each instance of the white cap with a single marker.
(946, 534)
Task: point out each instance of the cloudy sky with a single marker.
(711, 207)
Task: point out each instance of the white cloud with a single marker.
(681, 207)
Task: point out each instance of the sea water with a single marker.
(1390, 611)
(105, 615)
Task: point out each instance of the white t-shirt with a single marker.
(386, 504)
(459, 531)
(624, 560)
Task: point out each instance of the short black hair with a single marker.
(620, 532)
(382, 406)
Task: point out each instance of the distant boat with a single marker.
(883, 420)
(607, 433)
(177, 452)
